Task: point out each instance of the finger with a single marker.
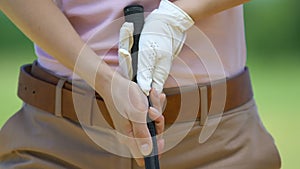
(160, 146)
(158, 118)
(142, 138)
(155, 100)
(162, 98)
(125, 63)
(155, 112)
(126, 36)
(125, 45)
(129, 140)
(158, 100)
(125, 136)
(146, 61)
(161, 72)
(163, 101)
(162, 46)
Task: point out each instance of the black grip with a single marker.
(151, 161)
(135, 14)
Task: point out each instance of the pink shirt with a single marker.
(214, 47)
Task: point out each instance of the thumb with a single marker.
(125, 45)
(125, 62)
(126, 36)
(143, 138)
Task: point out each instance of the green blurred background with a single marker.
(273, 33)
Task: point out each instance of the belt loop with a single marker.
(203, 104)
(58, 97)
(83, 103)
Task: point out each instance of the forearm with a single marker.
(45, 24)
(199, 9)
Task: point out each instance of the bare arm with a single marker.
(199, 9)
(46, 25)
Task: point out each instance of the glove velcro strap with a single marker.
(176, 16)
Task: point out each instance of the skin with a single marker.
(29, 16)
(199, 9)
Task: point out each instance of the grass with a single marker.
(275, 81)
(8, 86)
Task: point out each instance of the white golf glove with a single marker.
(125, 45)
(161, 41)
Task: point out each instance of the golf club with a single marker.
(135, 14)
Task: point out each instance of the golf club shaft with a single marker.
(135, 14)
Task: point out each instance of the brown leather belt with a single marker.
(37, 87)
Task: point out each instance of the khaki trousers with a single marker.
(34, 139)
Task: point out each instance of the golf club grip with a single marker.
(135, 14)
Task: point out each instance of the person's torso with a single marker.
(214, 48)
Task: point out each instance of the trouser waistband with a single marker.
(42, 89)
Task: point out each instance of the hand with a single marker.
(129, 117)
(161, 41)
(128, 107)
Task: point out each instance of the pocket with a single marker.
(257, 147)
(245, 141)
